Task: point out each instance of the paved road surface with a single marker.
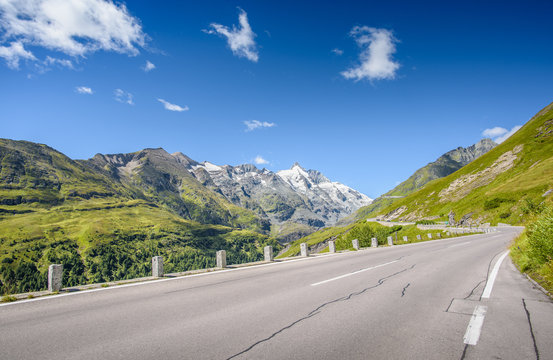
(406, 302)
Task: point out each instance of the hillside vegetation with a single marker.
(503, 185)
(103, 227)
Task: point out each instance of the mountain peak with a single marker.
(296, 164)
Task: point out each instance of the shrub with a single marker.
(493, 203)
(504, 215)
(540, 238)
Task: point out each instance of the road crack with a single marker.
(405, 288)
(531, 329)
(318, 309)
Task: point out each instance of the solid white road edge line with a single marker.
(489, 285)
(475, 325)
(353, 273)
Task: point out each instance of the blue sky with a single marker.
(436, 75)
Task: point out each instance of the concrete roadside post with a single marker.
(221, 259)
(304, 250)
(355, 243)
(430, 235)
(374, 242)
(405, 238)
(157, 266)
(268, 253)
(418, 237)
(331, 246)
(439, 235)
(55, 276)
(390, 241)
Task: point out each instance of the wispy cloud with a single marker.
(499, 134)
(173, 107)
(84, 90)
(337, 51)
(123, 97)
(72, 27)
(259, 160)
(240, 40)
(255, 124)
(148, 66)
(15, 52)
(377, 47)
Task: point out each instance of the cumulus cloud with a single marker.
(254, 124)
(494, 132)
(240, 40)
(499, 134)
(173, 107)
(72, 27)
(259, 160)
(149, 66)
(13, 53)
(123, 97)
(84, 90)
(377, 47)
(337, 51)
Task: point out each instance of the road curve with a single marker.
(419, 301)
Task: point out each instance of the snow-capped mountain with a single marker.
(296, 201)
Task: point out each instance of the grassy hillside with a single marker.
(446, 164)
(504, 185)
(56, 210)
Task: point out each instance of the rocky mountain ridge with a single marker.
(296, 201)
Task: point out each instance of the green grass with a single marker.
(529, 178)
(8, 298)
(532, 251)
(364, 232)
(315, 238)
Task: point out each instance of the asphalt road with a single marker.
(420, 301)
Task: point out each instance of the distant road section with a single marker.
(418, 301)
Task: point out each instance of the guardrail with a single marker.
(55, 271)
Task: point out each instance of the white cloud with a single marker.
(123, 96)
(377, 47)
(173, 107)
(506, 135)
(337, 51)
(72, 27)
(84, 90)
(494, 132)
(240, 40)
(254, 124)
(149, 66)
(259, 160)
(13, 53)
(60, 62)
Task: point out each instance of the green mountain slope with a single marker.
(446, 164)
(504, 185)
(103, 225)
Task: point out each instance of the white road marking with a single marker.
(353, 273)
(489, 285)
(148, 282)
(466, 243)
(475, 325)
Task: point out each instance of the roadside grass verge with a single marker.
(532, 251)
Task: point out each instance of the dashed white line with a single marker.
(489, 285)
(475, 325)
(353, 273)
(465, 243)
